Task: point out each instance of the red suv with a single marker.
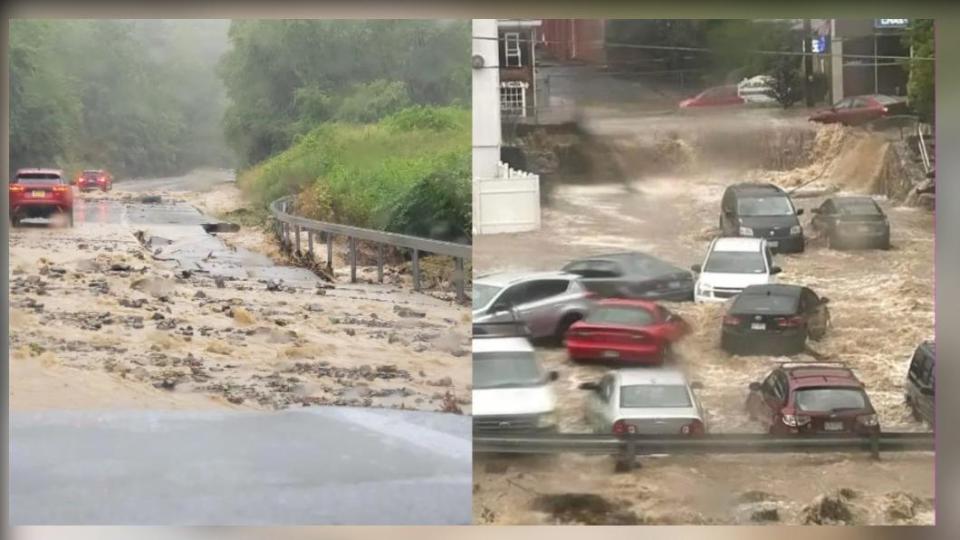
(40, 193)
(810, 399)
(857, 110)
(95, 179)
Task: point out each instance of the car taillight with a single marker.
(61, 189)
(694, 428)
(578, 333)
(885, 109)
(16, 188)
(731, 320)
(795, 420)
(102, 179)
(868, 419)
(620, 427)
(789, 322)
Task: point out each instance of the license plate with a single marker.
(758, 326)
(38, 194)
(773, 243)
(833, 426)
(611, 354)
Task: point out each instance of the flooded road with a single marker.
(139, 302)
(881, 308)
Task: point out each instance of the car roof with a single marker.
(39, 171)
(821, 375)
(734, 243)
(502, 279)
(92, 170)
(650, 375)
(775, 289)
(757, 187)
(505, 344)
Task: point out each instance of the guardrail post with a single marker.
(627, 460)
(329, 238)
(296, 233)
(310, 244)
(353, 260)
(461, 279)
(380, 263)
(286, 236)
(875, 446)
(415, 265)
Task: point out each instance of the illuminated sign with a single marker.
(891, 23)
(818, 45)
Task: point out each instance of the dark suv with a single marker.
(762, 211)
(920, 382)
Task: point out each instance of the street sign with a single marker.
(891, 23)
(818, 44)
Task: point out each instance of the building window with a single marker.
(511, 46)
(513, 98)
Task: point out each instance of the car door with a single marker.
(503, 307)
(921, 375)
(542, 303)
(841, 111)
(860, 112)
(771, 398)
(816, 313)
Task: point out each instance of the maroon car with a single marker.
(714, 97)
(95, 179)
(858, 110)
(808, 399)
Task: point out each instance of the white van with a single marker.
(731, 265)
(511, 390)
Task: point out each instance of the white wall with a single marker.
(486, 100)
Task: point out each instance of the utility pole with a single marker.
(807, 63)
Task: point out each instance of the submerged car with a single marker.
(645, 401)
(760, 210)
(774, 319)
(511, 390)
(633, 275)
(628, 331)
(757, 90)
(849, 222)
(731, 265)
(919, 387)
(548, 302)
(95, 179)
(859, 110)
(811, 398)
(40, 193)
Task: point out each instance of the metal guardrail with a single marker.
(290, 228)
(629, 447)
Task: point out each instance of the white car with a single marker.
(731, 265)
(756, 90)
(511, 390)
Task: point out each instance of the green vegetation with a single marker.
(409, 173)
(136, 97)
(920, 89)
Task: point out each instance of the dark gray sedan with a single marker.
(633, 275)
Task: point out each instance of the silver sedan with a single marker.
(645, 401)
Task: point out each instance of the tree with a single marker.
(920, 85)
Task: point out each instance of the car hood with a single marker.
(734, 281)
(765, 222)
(504, 401)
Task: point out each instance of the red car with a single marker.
(807, 399)
(40, 193)
(632, 331)
(714, 97)
(95, 179)
(858, 110)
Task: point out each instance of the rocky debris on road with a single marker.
(151, 199)
(834, 509)
(365, 372)
(901, 506)
(408, 313)
(157, 287)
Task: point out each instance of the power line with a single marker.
(616, 45)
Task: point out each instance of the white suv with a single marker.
(511, 390)
(731, 265)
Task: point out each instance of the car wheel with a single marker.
(565, 325)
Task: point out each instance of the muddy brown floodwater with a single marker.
(96, 322)
(881, 308)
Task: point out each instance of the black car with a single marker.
(762, 211)
(849, 222)
(774, 319)
(920, 382)
(633, 275)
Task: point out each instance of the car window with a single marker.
(780, 386)
(768, 385)
(842, 104)
(645, 396)
(776, 205)
(860, 207)
(735, 262)
(830, 399)
(860, 103)
(483, 294)
(625, 315)
(921, 368)
(507, 369)
(38, 178)
(542, 289)
(773, 304)
(809, 299)
(513, 295)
